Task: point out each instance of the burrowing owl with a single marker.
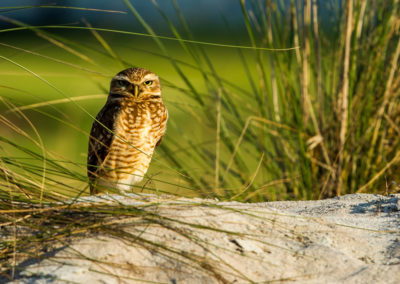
(126, 131)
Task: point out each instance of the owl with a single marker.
(126, 131)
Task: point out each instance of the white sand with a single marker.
(351, 239)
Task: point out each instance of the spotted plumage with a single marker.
(126, 131)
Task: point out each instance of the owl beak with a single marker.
(136, 93)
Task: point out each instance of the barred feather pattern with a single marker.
(138, 127)
(122, 141)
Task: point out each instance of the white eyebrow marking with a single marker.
(150, 77)
(121, 77)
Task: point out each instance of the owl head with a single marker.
(138, 84)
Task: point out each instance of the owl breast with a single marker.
(138, 129)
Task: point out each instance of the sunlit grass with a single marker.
(246, 123)
(281, 115)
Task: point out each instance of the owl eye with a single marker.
(148, 83)
(122, 83)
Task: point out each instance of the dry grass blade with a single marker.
(148, 35)
(319, 63)
(60, 101)
(218, 141)
(243, 132)
(104, 43)
(60, 7)
(285, 125)
(247, 186)
(53, 59)
(49, 38)
(387, 94)
(344, 97)
(394, 161)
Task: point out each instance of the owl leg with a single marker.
(125, 185)
(93, 190)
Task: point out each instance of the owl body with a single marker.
(125, 133)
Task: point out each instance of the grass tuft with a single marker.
(307, 109)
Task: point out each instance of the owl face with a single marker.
(136, 84)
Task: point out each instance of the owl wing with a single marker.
(101, 138)
(163, 126)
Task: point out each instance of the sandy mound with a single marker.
(351, 239)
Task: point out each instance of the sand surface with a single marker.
(350, 239)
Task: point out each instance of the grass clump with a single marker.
(305, 108)
(308, 111)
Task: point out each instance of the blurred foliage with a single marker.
(312, 121)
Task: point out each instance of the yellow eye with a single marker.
(148, 83)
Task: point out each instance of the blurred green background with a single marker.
(300, 103)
